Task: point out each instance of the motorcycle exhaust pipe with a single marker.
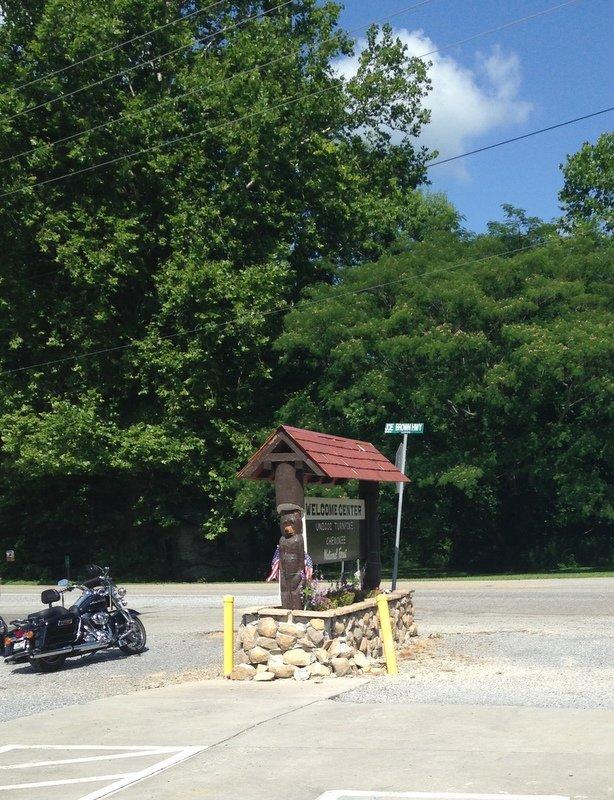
(69, 650)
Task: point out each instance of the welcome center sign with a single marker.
(333, 528)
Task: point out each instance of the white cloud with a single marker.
(465, 103)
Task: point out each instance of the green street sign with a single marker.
(404, 427)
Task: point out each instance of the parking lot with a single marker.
(508, 690)
(67, 771)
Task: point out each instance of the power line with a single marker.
(276, 107)
(199, 90)
(155, 59)
(152, 61)
(108, 50)
(452, 158)
(519, 138)
(271, 312)
(210, 129)
(506, 25)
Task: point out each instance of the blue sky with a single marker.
(543, 71)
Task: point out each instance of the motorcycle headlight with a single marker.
(121, 591)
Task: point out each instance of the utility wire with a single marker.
(508, 25)
(288, 307)
(200, 89)
(452, 158)
(108, 50)
(284, 104)
(276, 107)
(153, 60)
(519, 138)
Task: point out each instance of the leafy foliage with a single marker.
(507, 359)
(587, 196)
(264, 171)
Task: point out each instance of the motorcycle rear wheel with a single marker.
(51, 664)
(137, 639)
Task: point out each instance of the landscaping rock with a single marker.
(322, 655)
(264, 676)
(258, 655)
(267, 627)
(298, 658)
(285, 641)
(317, 624)
(301, 674)
(339, 648)
(282, 670)
(291, 628)
(243, 672)
(341, 666)
(316, 636)
(361, 660)
(250, 635)
(318, 670)
(268, 644)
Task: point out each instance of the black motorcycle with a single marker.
(99, 619)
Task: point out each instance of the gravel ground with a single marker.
(542, 643)
(545, 646)
(183, 642)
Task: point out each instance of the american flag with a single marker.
(274, 574)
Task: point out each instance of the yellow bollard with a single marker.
(229, 634)
(386, 631)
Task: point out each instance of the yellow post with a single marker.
(386, 632)
(229, 634)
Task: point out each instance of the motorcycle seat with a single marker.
(52, 614)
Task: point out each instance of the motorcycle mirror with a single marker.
(64, 583)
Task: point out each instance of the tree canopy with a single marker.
(505, 354)
(587, 196)
(259, 170)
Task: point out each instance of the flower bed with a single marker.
(278, 643)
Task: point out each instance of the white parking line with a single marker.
(115, 782)
(351, 794)
(65, 782)
(132, 754)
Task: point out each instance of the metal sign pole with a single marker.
(397, 541)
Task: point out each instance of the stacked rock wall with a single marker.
(277, 643)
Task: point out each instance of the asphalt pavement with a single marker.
(508, 689)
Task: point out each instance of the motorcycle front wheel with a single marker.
(51, 664)
(136, 640)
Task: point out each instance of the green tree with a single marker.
(507, 359)
(587, 196)
(265, 170)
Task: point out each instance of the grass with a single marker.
(426, 574)
(413, 574)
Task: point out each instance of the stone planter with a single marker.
(277, 643)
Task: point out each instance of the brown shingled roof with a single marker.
(326, 458)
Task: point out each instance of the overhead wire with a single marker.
(274, 107)
(453, 158)
(100, 53)
(200, 89)
(519, 138)
(154, 59)
(288, 307)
